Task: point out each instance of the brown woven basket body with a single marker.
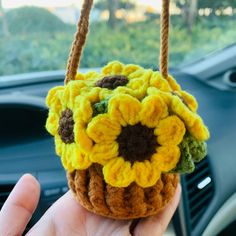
(132, 202)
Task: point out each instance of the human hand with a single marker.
(66, 217)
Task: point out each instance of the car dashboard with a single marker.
(26, 147)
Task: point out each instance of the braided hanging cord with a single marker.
(83, 27)
(79, 41)
(164, 40)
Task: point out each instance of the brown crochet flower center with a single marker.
(112, 82)
(137, 143)
(66, 126)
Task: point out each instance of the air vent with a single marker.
(230, 78)
(4, 192)
(199, 192)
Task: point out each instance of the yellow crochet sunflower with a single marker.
(60, 124)
(130, 120)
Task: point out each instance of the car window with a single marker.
(36, 35)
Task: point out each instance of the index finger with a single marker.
(19, 206)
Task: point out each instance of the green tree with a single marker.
(217, 5)
(189, 10)
(33, 19)
(112, 6)
(4, 21)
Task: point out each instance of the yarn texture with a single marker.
(131, 121)
(125, 133)
(131, 202)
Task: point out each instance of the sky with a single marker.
(63, 3)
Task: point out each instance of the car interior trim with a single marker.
(224, 216)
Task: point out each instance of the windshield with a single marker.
(36, 35)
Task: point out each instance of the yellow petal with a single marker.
(124, 109)
(66, 157)
(159, 82)
(81, 136)
(103, 129)
(193, 121)
(190, 100)
(166, 158)
(199, 130)
(140, 83)
(139, 86)
(183, 111)
(92, 94)
(53, 100)
(51, 96)
(83, 111)
(59, 145)
(170, 131)
(124, 90)
(113, 68)
(138, 93)
(118, 172)
(91, 75)
(146, 175)
(72, 90)
(130, 68)
(153, 109)
(105, 93)
(166, 96)
(173, 84)
(79, 76)
(79, 160)
(137, 74)
(52, 123)
(103, 152)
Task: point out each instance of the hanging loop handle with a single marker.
(164, 38)
(79, 41)
(83, 28)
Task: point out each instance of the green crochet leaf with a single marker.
(198, 149)
(192, 151)
(100, 107)
(186, 164)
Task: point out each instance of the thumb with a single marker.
(19, 206)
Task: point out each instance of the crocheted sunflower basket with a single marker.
(125, 133)
(122, 135)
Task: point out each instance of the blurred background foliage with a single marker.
(34, 39)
